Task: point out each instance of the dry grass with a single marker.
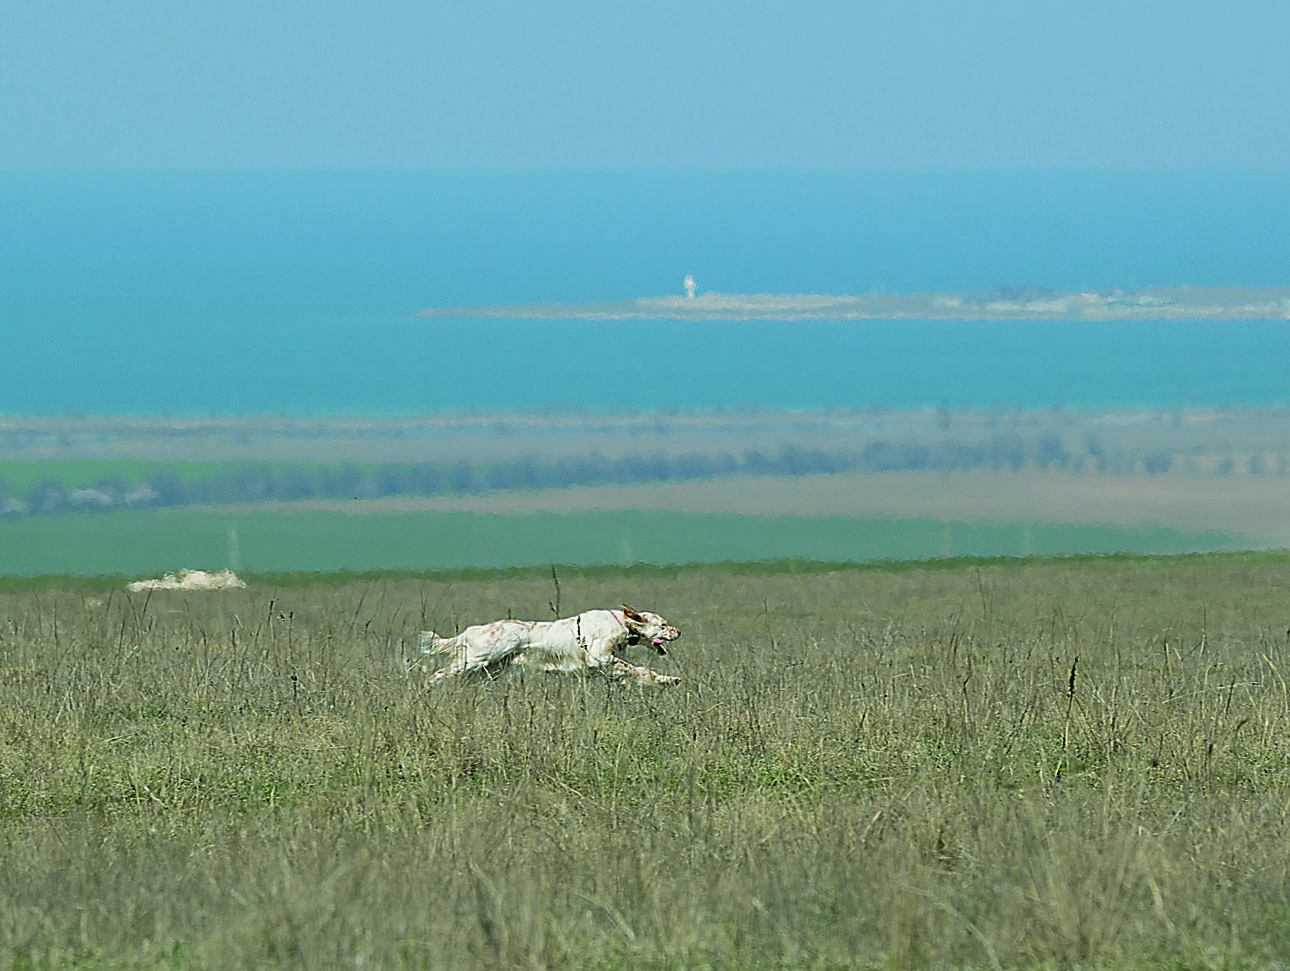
(1077, 764)
(1254, 505)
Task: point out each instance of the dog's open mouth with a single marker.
(657, 644)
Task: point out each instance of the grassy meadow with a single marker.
(1009, 764)
(276, 537)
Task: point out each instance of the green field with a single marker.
(1017, 764)
(149, 541)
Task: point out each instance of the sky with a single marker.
(502, 84)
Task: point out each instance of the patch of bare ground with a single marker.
(1254, 505)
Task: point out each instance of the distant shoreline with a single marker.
(1003, 303)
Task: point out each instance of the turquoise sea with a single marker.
(298, 292)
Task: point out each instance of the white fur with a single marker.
(585, 643)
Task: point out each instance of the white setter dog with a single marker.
(585, 643)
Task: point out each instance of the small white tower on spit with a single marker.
(690, 286)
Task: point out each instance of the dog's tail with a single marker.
(432, 643)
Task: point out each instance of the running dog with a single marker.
(585, 643)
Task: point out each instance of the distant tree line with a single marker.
(258, 481)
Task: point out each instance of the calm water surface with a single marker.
(298, 292)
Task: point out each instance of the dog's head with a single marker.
(649, 627)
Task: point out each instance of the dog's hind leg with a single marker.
(463, 660)
(441, 675)
(472, 657)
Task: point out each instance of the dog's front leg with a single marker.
(621, 670)
(601, 657)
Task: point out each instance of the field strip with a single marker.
(1258, 506)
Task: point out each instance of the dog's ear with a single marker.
(631, 614)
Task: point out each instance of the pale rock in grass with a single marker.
(190, 580)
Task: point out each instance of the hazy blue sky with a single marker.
(602, 83)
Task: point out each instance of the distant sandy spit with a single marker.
(1253, 505)
(1005, 303)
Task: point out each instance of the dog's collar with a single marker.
(633, 637)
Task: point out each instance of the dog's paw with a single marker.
(666, 679)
